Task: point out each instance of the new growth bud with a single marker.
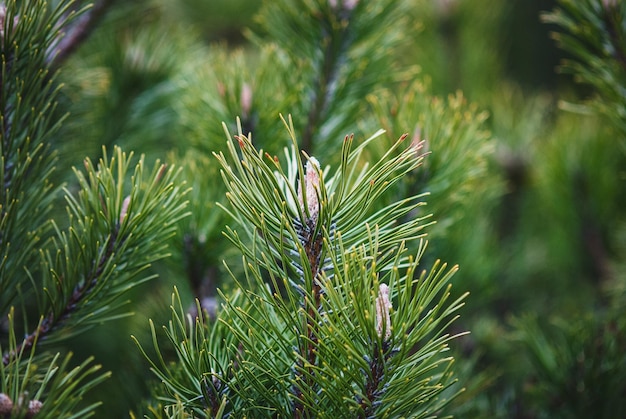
(3, 14)
(124, 209)
(34, 407)
(6, 404)
(3, 23)
(383, 319)
(350, 4)
(311, 189)
(345, 4)
(246, 100)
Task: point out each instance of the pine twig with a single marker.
(312, 244)
(51, 321)
(77, 33)
(372, 387)
(612, 19)
(325, 83)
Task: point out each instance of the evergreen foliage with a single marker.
(304, 334)
(58, 278)
(574, 361)
(303, 285)
(593, 32)
(340, 65)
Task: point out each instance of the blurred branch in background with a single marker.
(78, 31)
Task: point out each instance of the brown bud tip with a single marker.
(383, 318)
(162, 172)
(343, 4)
(124, 209)
(221, 89)
(3, 24)
(6, 404)
(34, 406)
(350, 4)
(246, 99)
(309, 194)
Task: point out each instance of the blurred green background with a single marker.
(540, 242)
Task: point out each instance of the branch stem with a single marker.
(373, 389)
(52, 319)
(77, 33)
(325, 83)
(313, 246)
(613, 25)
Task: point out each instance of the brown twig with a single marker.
(52, 320)
(77, 33)
(612, 19)
(313, 246)
(373, 389)
(325, 84)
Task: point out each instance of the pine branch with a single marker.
(334, 54)
(110, 241)
(313, 249)
(594, 33)
(83, 290)
(206, 383)
(343, 324)
(613, 18)
(43, 384)
(285, 347)
(454, 134)
(343, 51)
(202, 241)
(374, 387)
(28, 120)
(77, 32)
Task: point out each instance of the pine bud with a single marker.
(311, 189)
(345, 4)
(446, 7)
(609, 4)
(221, 89)
(34, 406)
(383, 319)
(3, 15)
(350, 4)
(124, 209)
(246, 100)
(3, 24)
(6, 404)
(418, 142)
